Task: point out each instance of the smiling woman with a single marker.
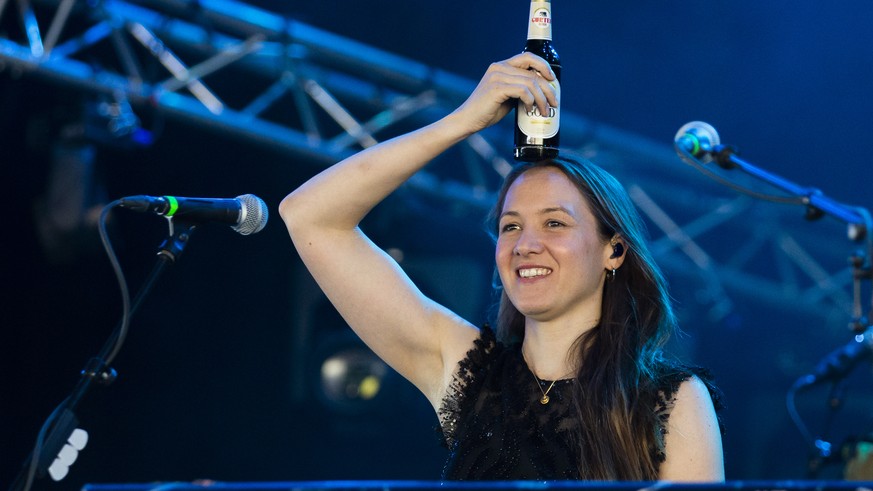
(550, 254)
(574, 385)
(585, 300)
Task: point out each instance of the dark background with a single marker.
(216, 375)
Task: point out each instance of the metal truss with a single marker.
(279, 83)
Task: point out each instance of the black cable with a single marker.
(689, 159)
(795, 416)
(122, 283)
(32, 467)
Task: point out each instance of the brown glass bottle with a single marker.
(537, 135)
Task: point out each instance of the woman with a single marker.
(584, 393)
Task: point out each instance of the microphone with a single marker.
(247, 214)
(698, 139)
(841, 361)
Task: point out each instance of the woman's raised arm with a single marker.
(420, 339)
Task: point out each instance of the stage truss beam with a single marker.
(364, 94)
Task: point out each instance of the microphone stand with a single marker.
(858, 221)
(817, 205)
(62, 422)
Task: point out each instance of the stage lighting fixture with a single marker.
(350, 377)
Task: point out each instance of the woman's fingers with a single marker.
(530, 61)
(550, 93)
(529, 78)
(525, 77)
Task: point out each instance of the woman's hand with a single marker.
(524, 77)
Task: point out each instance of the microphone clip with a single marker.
(722, 155)
(180, 233)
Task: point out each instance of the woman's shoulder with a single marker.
(672, 374)
(692, 428)
(677, 380)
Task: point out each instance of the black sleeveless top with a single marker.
(496, 429)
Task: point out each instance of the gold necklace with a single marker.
(545, 399)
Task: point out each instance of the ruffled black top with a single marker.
(496, 429)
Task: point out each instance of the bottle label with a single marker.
(536, 125)
(540, 25)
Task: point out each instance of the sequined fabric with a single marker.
(496, 428)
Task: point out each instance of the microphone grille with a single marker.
(253, 215)
(704, 136)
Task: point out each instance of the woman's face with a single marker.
(550, 256)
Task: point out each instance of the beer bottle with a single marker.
(536, 135)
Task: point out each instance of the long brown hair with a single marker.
(615, 391)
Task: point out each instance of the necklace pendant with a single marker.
(544, 400)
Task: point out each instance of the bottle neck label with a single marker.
(540, 21)
(537, 125)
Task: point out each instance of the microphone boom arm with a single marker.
(698, 143)
(817, 203)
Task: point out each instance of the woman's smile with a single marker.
(533, 272)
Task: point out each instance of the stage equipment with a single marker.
(484, 485)
(247, 214)
(59, 440)
(273, 81)
(698, 143)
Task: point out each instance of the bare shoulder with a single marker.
(693, 441)
(693, 396)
